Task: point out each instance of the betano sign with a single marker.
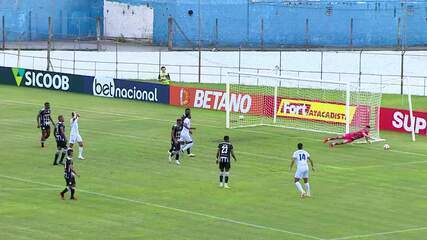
(209, 99)
(260, 104)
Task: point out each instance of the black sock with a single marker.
(62, 157)
(55, 159)
(64, 191)
(72, 192)
(226, 177)
(177, 157)
(188, 151)
(220, 177)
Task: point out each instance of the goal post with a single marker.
(325, 106)
(227, 105)
(411, 113)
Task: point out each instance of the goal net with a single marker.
(305, 104)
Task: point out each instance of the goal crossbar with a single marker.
(284, 77)
(358, 108)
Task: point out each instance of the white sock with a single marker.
(80, 151)
(187, 146)
(299, 187)
(307, 188)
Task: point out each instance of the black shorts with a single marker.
(70, 182)
(177, 146)
(224, 166)
(45, 127)
(61, 144)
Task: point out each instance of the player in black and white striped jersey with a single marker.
(61, 140)
(44, 120)
(175, 144)
(223, 158)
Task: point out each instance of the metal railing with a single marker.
(392, 83)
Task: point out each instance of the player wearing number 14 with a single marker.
(300, 158)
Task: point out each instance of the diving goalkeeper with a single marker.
(349, 137)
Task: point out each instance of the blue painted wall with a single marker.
(28, 19)
(375, 23)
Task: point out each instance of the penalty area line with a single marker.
(380, 233)
(29, 189)
(169, 208)
(134, 118)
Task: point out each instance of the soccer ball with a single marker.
(241, 117)
(386, 146)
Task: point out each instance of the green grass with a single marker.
(128, 190)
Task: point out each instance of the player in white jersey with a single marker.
(75, 135)
(300, 158)
(185, 139)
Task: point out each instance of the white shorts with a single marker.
(75, 138)
(185, 138)
(301, 173)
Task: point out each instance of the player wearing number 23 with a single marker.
(223, 158)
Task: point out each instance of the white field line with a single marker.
(28, 189)
(210, 216)
(259, 155)
(247, 153)
(136, 117)
(410, 153)
(270, 156)
(188, 212)
(380, 233)
(148, 118)
(30, 230)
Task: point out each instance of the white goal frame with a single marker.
(283, 78)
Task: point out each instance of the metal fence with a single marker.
(112, 66)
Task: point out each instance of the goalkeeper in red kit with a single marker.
(349, 137)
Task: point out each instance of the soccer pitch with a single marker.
(128, 189)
